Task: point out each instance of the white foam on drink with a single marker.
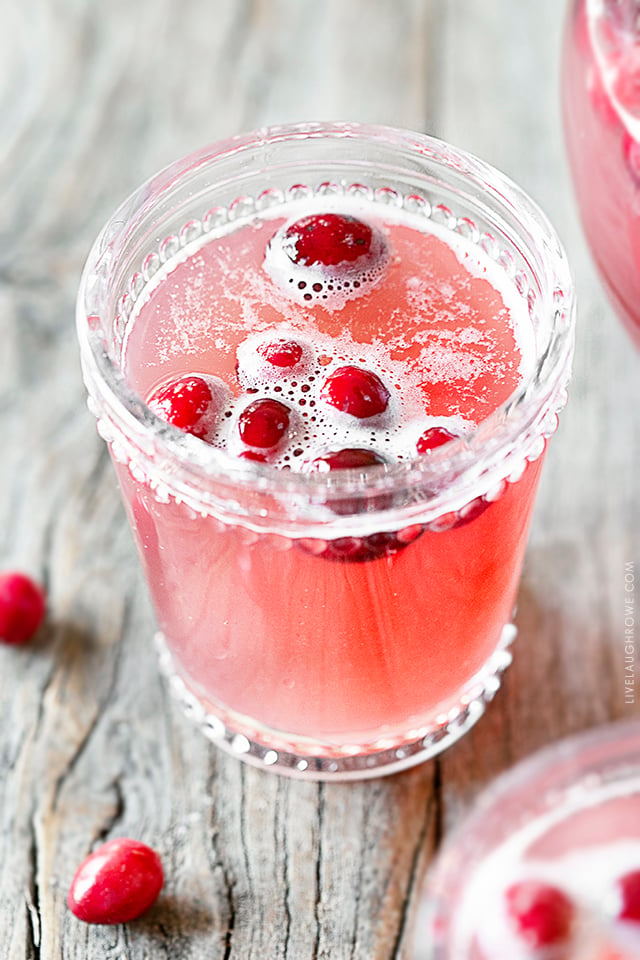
(317, 427)
(190, 322)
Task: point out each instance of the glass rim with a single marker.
(492, 438)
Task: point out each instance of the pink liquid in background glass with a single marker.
(581, 847)
(601, 93)
(258, 625)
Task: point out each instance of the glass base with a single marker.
(311, 760)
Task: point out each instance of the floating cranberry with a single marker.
(356, 391)
(472, 510)
(627, 890)
(327, 256)
(434, 437)
(187, 403)
(351, 458)
(22, 607)
(117, 883)
(264, 423)
(361, 549)
(281, 353)
(540, 914)
(253, 455)
(327, 239)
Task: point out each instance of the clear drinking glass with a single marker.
(344, 623)
(601, 100)
(548, 862)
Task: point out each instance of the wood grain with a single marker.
(93, 99)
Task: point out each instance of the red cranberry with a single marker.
(351, 458)
(327, 257)
(22, 607)
(184, 403)
(264, 423)
(628, 892)
(281, 353)
(434, 437)
(542, 915)
(117, 883)
(358, 392)
(361, 549)
(327, 239)
(471, 511)
(253, 455)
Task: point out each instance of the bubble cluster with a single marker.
(316, 428)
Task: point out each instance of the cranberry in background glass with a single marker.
(628, 895)
(541, 915)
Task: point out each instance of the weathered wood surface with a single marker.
(93, 98)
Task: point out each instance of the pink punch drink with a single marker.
(327, 359)
(601, 93)
(547, 867)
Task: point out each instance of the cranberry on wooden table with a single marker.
(118, 882)
(22, 607)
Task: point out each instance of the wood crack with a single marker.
(281, 832)
(34, 921)
(117, 815)
(366, 819)
(319, 865)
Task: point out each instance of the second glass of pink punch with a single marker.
(547, 865)
(327, 359)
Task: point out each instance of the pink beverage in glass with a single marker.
(548, 865)
(601, 92)
(331, 479)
